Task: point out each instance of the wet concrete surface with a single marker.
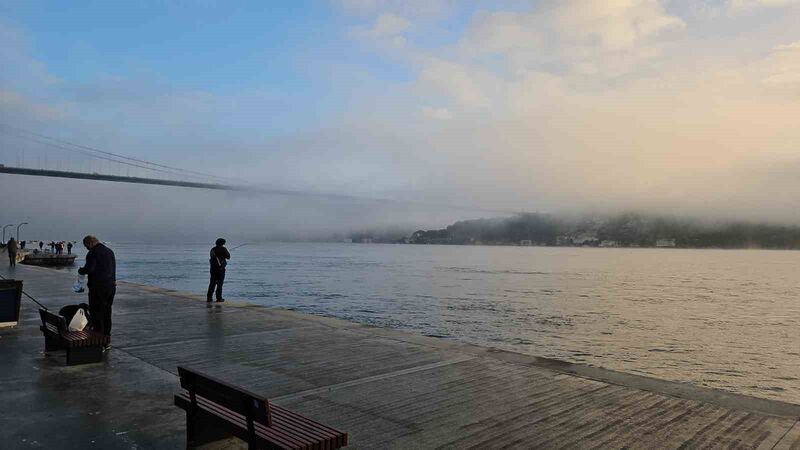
(386, 388)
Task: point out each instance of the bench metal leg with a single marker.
(52, 344)
(84, 355)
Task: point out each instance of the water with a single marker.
(717, 318)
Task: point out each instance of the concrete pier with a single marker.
(386, 388)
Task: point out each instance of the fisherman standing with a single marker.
(101, 267)
(11, 248)
(218, 259)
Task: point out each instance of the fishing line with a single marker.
(234, 248)
(29, 296)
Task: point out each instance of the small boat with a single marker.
(37, 258)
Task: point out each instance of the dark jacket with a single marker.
(12, 246)
(101, 266)
(219, 257)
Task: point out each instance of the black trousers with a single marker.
(217, 278)
(12, 259)
(100, 300)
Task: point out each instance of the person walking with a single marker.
(69, 248)
(11, 248)
(219, 257)
(101, 268)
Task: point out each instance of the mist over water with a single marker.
(726, 319)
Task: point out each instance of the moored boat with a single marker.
(37, 258)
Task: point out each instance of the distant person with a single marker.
(52, 247)
(41, 245)
(101, 267)
(219, 257)
(22, 244)
(69, 248)
(11, 248)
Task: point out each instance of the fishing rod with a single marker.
(29, 296)
(248, 243)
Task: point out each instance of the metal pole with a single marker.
(4, 231)
(23, 223)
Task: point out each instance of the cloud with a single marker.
(407, 8)
(437, 113)
(388, 28)
(747, 5)
(20, 107)
(456, 81)
(387, 25)
(782, 67)
(588, 37)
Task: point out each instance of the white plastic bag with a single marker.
(79, 321)
(78, 286)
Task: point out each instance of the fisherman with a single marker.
(11, 248)
(101, 267)
(41, 244)
(219, 257)
(69, 248)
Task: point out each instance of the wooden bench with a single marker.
(215, 409)
(82, 347)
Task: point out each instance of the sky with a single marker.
(680, 107)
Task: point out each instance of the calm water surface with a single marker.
(718, 318)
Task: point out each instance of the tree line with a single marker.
(624, 230)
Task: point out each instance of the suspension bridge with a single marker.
(71, 157)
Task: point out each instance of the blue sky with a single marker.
(497, 104)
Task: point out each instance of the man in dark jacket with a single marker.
(101, 267)
(218, 260)
(11, 248)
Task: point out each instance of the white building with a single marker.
(665, 243)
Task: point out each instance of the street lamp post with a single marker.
(4, 231)
(23, 223)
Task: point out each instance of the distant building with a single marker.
(347, 240)
(563, 240)
(609, 243)
(366, 240)
(584, 239)
(526, 243)
(665, 243)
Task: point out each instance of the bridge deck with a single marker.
(388, 389)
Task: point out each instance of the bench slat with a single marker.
(274, 432)
(314, 433)
(268, 434)
(336, 435)
(288, 429)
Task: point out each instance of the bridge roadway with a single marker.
(387, 388)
